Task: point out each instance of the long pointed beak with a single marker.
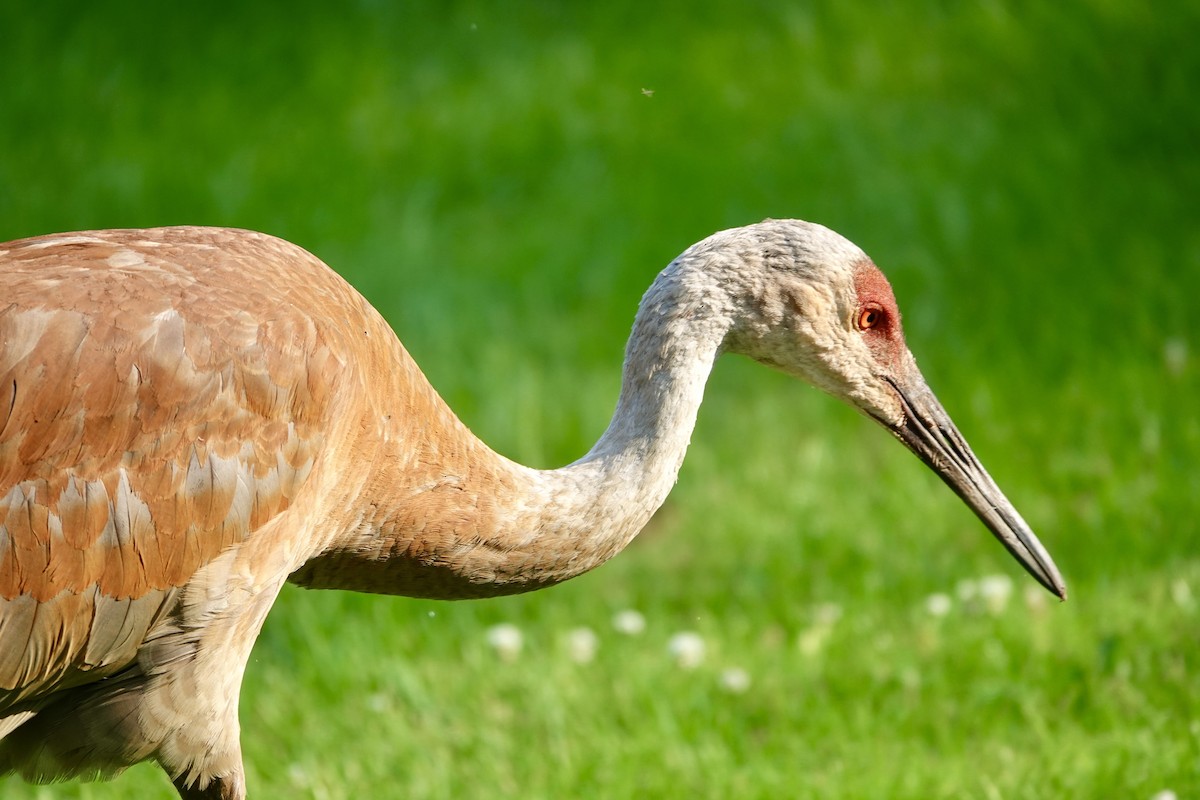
(928, 431)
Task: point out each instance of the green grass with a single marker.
(499, 185)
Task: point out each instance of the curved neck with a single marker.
(456, 519)
(677, 335)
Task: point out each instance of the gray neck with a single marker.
(605, 498)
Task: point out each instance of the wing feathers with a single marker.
(160, 400)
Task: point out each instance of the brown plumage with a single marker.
(190, 416)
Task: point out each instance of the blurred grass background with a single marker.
(503, 181)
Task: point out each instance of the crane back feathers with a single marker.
(157, 408)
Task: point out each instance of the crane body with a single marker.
(190, 417)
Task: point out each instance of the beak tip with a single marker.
(1047, 572)
(1054, 584)
(1038, 564)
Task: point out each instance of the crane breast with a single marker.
(154, 411)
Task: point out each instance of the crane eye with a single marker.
(869, 317)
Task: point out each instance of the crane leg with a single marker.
(228, 787)
(190, 706)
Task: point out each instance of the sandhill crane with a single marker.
(191, 416)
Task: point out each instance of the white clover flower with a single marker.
(826, 614)
(1181, 593)
(735, 680)
(812, 640)
(506, 640)
(582, 644)
(995, 590)
(629, 622)
(1175, 355)
(967, 590)
(1165, 794)
(938, 604)
(687, 648)
(298, 775)
(1035, 598)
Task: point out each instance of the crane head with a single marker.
(815, 306)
